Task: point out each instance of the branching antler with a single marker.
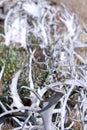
(51, 83)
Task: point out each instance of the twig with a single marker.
(65, 103)
(2, 71)
(2, 106)
(19, 109)
(37, 95)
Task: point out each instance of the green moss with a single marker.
(1, 29)
(13, 58)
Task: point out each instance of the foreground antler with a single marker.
(47, 110)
